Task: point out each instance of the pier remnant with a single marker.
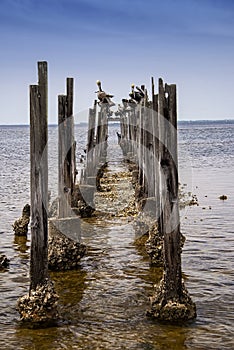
(66, 150)
(154, 150)
(149, 142)
(65, 249)
(39, 177)
(40, 304)
(171, 300)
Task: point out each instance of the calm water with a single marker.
(103, 304)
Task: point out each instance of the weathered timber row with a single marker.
(154, 149)
(148, 138)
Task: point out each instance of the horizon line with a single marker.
(179, 121)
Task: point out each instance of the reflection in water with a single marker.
(20, 245)
(70, 286)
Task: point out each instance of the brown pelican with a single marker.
(103, 96)
(136, 95)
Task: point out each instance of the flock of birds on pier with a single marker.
(136, 96)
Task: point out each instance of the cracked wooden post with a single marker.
(66, 150)
(70, 157)
(155, 128)
(171, 301)
(40, 304)
(171, 220)
(63, 166)
(39, 178)
(149, 153)
(141, 180)
(98, 138)
(90, 149)
(161, 148)
(154, 109)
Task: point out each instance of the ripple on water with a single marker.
(104, 302)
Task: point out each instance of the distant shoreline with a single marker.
(180, 122)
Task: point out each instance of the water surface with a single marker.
(104, 303)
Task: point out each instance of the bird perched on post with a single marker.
(103, 96)
(136, 96)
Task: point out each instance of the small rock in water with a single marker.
(4, 262)
(223, 197)
(20, 226)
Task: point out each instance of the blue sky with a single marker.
(187, 42)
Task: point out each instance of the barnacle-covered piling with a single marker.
(20, 226)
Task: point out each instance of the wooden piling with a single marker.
(66, 150)
(161, 149)
(171, 227)
(90, 154)
(171, 301)
(70, 157)
(155, 128)
(39, 178)
(64, 190)
(149, 153)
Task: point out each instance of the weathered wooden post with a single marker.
(149, 158)
(91, 128)
(71, 159)
(171, 300)
(141, 153)
(65, 249)
(66, 150)
(98, 137)
(155, 114)
(90, 150)
(133, 121)
(124, 134)
(41, 306)
(64, 188)
(39, 178)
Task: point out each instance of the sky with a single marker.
(186, 42)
